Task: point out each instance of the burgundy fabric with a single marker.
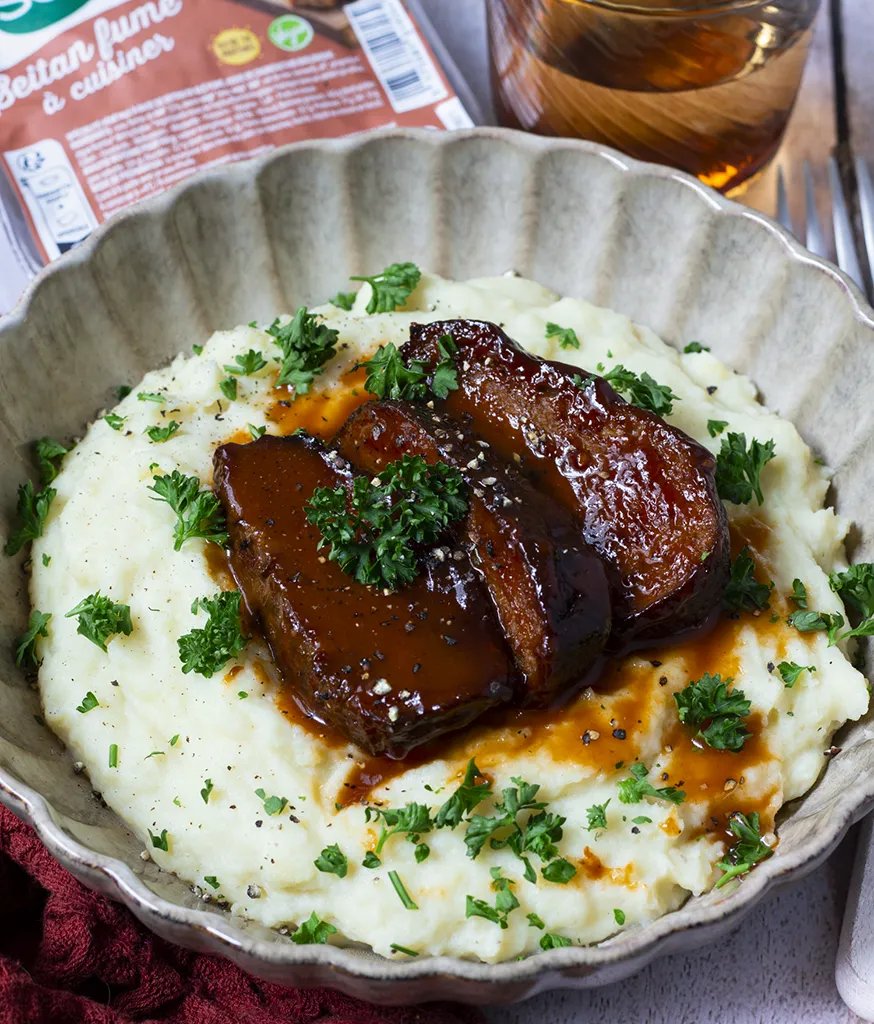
(71, 956)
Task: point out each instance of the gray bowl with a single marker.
(234, 244)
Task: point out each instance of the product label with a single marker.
(105, 102)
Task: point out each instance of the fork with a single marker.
(814, 237)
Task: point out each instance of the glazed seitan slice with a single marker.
(642, 491)
(549, 589)
(386, 670)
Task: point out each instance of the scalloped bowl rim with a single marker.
(639, 945)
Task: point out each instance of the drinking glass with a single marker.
(703, 85)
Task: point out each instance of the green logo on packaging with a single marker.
(19, 17)
(289, 32)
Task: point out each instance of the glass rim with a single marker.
(679, 7)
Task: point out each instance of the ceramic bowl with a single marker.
(245, 242)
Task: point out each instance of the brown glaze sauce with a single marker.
(621, 702)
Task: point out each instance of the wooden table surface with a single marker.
(779, 966)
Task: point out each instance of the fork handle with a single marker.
(854, 968)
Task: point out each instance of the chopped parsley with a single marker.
(550, 941)
(344, 300)
(212, 881)
(708, 701)
(373, 533)
(332, 861)
(247, 364)
(464, 799)
(313, 932)
(388, 376)
(207, 650)
(256, 432)
(597, 815)
(619, 917)
(790, 672)
(159, 842)
(123, 391)
(855, 587)
(101, 618)
(539, 835)
(228, 388)
(806, 621)
(272, 804)
(749, 850)
(412, 819)
(306, 345)
(695, 346)
(738, 468)
(535, 921)
(198, 513)
(566, 336)
(114, 420)
(89, 702)
(46, 559)
(49, 454)
(716, 427)
(394, 946)
(174, 740)
(25, 649)
(197, 350)
(642, 391)
(392, 287)
(150, 396)
(633, 790)
(207, 789)
(32, 509)
(505, 901)
(371, 860)
(743, 593)
(641, 819)
(799, 594)
(400, 889)
(422, 852)
(158, 435)
(113, 755)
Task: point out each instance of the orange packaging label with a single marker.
(105, 102)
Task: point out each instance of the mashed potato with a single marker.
(191, 752)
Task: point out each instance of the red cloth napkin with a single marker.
(70, 956)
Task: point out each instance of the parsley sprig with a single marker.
(208, 649)
(744, 592)
(749, 850)
(597, 816)
(537, 836)
(414, 819)
(505, 901)
(25, 649)
(313, 931)
(247, 364)
(306, 345)
(642, 390)
(739, 468)
(32, 509)
(158, 434)
(633, 790)
(464, 799)
(332, 861)
(388, 376)
(855, 587)
(790, 671)
(707, 702)
(101, 618)
(374, 531)
(566, 336)
(198, 513)
(392, 287)
(49, 454)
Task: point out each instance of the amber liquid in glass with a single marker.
(705, 87)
